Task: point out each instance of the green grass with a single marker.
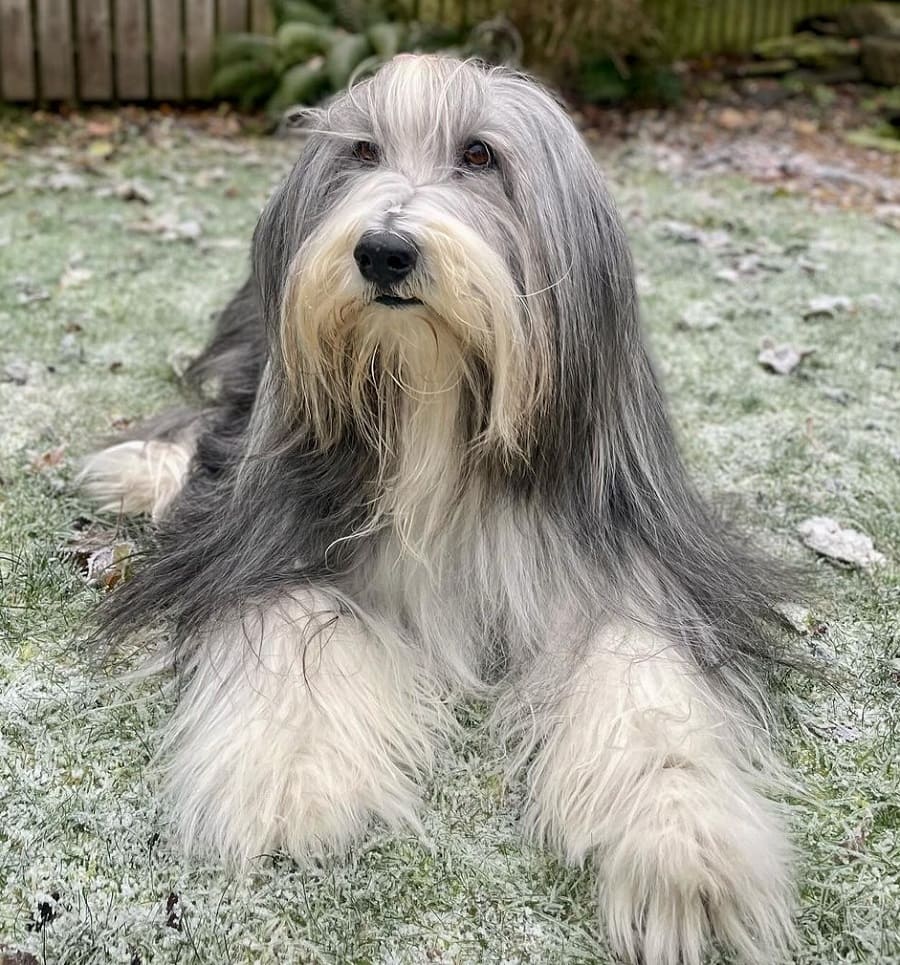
(80, 814)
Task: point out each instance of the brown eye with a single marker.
(367, 152)
(477, 155)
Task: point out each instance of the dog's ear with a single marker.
(291, 213)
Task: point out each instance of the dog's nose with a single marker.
(385, 259)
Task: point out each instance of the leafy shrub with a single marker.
(316, 50)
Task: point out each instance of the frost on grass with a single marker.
(88, 871)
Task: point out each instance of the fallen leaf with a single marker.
(874, 302)
(173, 911)
(828, 538)
(700, 317)
(180, 360)
(798, 616)
(69, 348)
(66, 181)
(837, 395)
(110, 565)
(732, 119)
(17, 957)
(100, 128)
(681, 231)
(101, 149)
(134, 191)
(827, 306)
(29, 296)
(49, 459)
(73, 277)
(16, 372)
(780, 359)
(169, 228)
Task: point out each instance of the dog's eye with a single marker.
(367, 152)
(477, 155)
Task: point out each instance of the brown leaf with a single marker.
(49, 459)
(110, 565)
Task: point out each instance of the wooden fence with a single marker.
(694, 27)
(105, 50)
(156, 50)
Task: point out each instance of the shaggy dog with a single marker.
(438, 462)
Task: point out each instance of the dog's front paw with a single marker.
(296, 729)
(697, 861)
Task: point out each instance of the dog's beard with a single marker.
(426, 385)
(473, 318)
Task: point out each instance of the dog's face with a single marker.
(439, 225)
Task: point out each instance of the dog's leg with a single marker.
(136, 476)
(638, 764)
(298, 725)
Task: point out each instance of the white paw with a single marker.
(697, 860)
(297, 728)
(136, 476)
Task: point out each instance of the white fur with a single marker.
(299, 725)
(637, 766)
(136, 477)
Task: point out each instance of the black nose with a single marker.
(385, 259)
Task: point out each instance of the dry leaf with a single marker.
(110, 565)
(828, 538)
(169, 228)
(65, 181)
(827, 306)
(101, 128)
(17, 957)
(732, 119)
(16, 372)
(100, 150)
(30, 295)
(780, 359)
(49, 459)
(680, 231)
(73, 277)
(134, 191)
(797, 615)
(698, 316)
(180, 360)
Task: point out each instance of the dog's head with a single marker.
(445, 233)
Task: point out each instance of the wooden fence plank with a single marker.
(200, 29)
(232, 16)
(262, 20)
(55, 53)
(132, 72)
(95, 80)
(166, 49)
(17, 80)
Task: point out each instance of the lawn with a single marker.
(118, 240)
